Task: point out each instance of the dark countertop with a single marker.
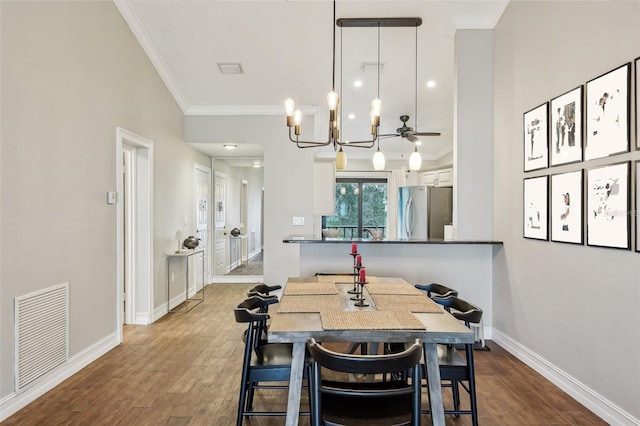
(310, 239)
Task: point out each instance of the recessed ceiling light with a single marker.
(431, 84)
(351, 116)
(357, 83)
(229, 146)
(230, 68)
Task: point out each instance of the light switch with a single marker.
(111, 197)
(298, 221)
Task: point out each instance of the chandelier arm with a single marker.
(307, 144)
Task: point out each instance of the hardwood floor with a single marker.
(185, 370)
(254, 266)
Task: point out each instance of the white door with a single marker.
(202, 186)
(220, 237)
(128, 238)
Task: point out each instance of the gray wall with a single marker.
(574, 306)
(71, 73)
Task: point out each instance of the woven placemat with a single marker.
(308, 303)
(392, 289)
(370, 320)
(411, 303)
(310, 288)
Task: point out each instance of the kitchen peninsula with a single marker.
(466, 265)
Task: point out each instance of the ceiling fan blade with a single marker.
(427, 133)
(412, 137)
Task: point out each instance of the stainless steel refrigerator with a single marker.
(423, 211)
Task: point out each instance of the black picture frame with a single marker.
(636, 215)
(535, 130)
(637, 64)
(535, 208)
(566, 119)
(607, 113)
(608, 223)
(566, 206)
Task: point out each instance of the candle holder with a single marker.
(359, 297)
(354, 290)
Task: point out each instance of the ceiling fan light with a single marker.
(378, 160)
(415, 160)
(341, 160)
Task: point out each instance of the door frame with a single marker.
(197, 167)
(143, 309)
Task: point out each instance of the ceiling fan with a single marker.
(408, 132)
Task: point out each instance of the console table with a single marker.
(185, 254)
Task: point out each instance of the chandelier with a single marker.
(294, 116)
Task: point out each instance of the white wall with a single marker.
(574, 307)
(71, 73)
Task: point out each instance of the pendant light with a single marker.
(415, 160)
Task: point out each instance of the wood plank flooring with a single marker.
(185, 370)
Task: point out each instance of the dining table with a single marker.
(390, 310)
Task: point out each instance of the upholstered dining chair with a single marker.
(376, 401)
(263, 364)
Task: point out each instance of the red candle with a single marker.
(358, 260)
(354, 248)
(362, 276)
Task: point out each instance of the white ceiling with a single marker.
(285, 48)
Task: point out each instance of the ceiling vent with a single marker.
(371, 67)
(230, 68)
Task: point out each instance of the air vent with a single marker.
(230, 68)
(42, 333)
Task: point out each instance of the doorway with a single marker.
(134, 272)
(202, 194)
(220, 233)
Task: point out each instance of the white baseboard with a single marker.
(14, 402)
(595, 402)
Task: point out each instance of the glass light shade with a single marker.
(415, 160)
(332, 100)
(378, 160)
(289, 107)
(297, 117)
(341, 160)
(376, 107)
(372, 117)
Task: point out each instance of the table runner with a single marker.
(308, 303)
(298, 288)
(391, 289)
(417, 303)
(370, 320)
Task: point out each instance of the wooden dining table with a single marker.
(321, 308)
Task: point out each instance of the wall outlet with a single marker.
(298, 221)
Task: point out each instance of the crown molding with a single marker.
(132, 19)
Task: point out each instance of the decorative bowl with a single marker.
(330, 233)
(191, 242)
(235, 232)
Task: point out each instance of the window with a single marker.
(359, 204)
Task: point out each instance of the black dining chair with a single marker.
(437, 291)
(456, 366)
(263, 290)
(264, 363)
(376, 401)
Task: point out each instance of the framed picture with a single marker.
(607, 111)
(536, 131)
(637, 102)
(566, 207)
(608, 206)
(535, 208)
(637, 216)
(566, 128)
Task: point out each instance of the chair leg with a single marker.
(241, 402)
(472, 384)
(251, 392)
(456, 396)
